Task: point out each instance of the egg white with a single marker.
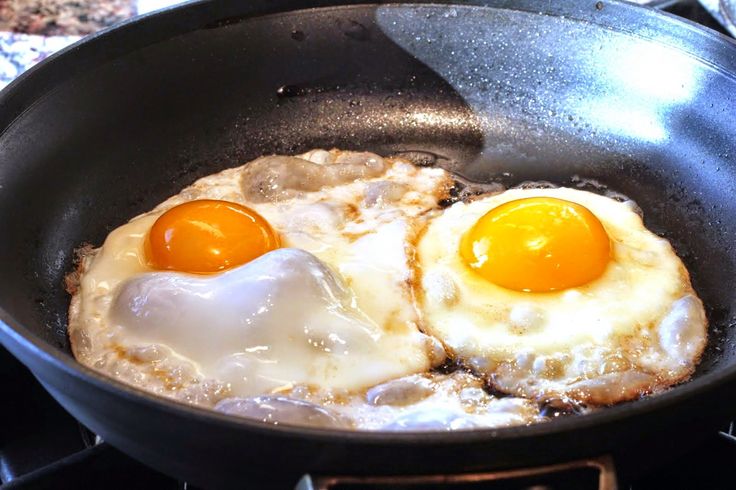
(418, 402)
(362, 230)
(398, 285)
(636, 329)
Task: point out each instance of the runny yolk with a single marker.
(537, 244)
(208, 236)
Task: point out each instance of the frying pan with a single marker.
(494, 90)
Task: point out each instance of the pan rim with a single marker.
(257, 8)
(13, 332)
(31, 343)
(37, 347)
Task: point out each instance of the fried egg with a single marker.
(285, 272)
(323, 289)
(419, 402)
(557, 294)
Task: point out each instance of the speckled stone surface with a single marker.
(18, 52)
(62, 17)
(31, 30)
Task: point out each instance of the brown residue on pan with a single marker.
(415, 279)
(352, 212)
(71, 280)
(122, 353)
(355, 236)
(165, 377)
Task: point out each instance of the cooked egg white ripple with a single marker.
(420, 402)
(363, 230)
(280, 320)
(637, 328)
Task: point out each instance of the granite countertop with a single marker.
(31, 30)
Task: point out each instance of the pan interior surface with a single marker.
(493, 94)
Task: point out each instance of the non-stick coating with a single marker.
(510, 92)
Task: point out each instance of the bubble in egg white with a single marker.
(282, 410)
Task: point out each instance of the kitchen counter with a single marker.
(31, 30)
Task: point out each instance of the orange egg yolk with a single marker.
(538, 244)
(208, 236)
